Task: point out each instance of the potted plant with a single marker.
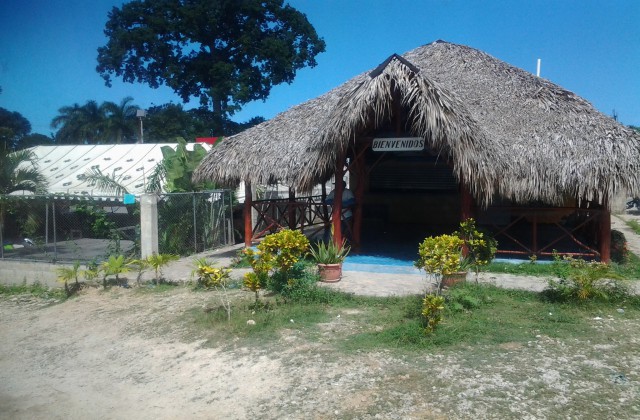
(329, 258)
(441, 256)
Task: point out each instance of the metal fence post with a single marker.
(195, 228)
(230, 240)
(55, 228)
(46, 222)
(1, 229)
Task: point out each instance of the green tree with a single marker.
(226, 53)
(79, 124)
(94, 123)
(119, 125)
(167, 122)
(18, 171)
(34, 139)
(13, 127)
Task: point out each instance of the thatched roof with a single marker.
(507, 132)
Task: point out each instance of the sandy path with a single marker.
(97, 357)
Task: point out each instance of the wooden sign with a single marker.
(398, 144)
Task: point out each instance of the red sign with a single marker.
(208, 140)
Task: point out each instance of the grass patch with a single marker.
(633, 225)
(522, 269)
(474, 315)
(163, 287)
(35, 289)
(629, 270)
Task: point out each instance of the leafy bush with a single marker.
(283, 249)
(619, 249)
(210, 277)
(274, 261)
(440, 254)
(432, 308)
(462, 299)
(581, 280)
(481, 248)
(301, 286)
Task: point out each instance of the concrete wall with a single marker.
(18, 272)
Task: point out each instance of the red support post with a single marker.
(336, 213)
(248, 204)
(467, 202)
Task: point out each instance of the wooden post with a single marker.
(336, 213)
(467, 202)
(605, 234)
(535, 232)
(248, 204)
(291, 209)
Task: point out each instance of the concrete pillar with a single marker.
(148, 225)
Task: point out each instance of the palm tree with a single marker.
(108, 184)
(18, 172)
(80, 124)
(119, 124)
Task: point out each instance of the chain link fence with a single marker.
(89, 229)
(189, 223)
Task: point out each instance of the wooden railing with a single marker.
(537, 231)
(300, 213)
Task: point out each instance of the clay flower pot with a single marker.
(330, 273)
(449, 280)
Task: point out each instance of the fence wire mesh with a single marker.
(89, 229)
(189, 223)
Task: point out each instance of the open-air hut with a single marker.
(443, 133)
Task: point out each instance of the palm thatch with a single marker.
(507, 132)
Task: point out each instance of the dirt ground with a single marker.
(119, 355)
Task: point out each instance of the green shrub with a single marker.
(619, 249)
(440, 254)
(210, 277)
(460, 299)
(481, 248)
(580, 280)
(283, 249)
(432, 308)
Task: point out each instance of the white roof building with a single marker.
(129, 164)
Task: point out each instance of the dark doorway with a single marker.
(407, 197)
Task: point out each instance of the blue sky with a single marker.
(48, 49)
